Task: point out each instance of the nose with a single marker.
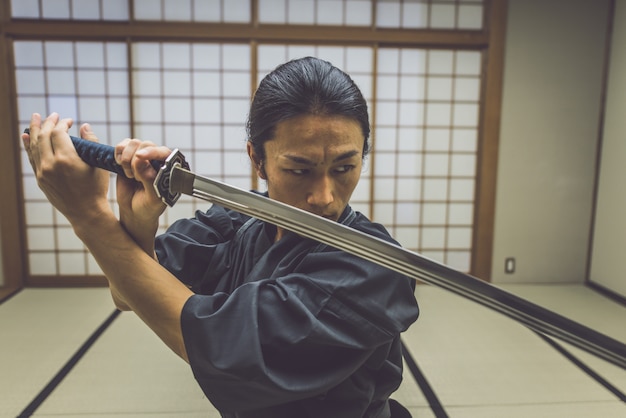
(321, 193)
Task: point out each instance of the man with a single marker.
(272, 324)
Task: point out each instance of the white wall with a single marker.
(609, 244)
(549, 130)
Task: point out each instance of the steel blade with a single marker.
(401, 260)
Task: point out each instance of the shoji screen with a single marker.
(427, 105)
(88, 82)
(188, 96)
(419, 180)
(195, 97)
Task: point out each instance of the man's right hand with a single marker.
(140, 207)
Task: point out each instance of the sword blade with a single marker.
(400, 260)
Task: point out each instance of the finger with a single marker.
(35, 121)
(35, 125)
(125, 157)
(119, 149)
(87, 133)
(31, 143)
(26, 142)
(40, 138)
(141, 164)
(152, 152)
(60, 138)
(25, 137)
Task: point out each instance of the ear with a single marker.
(256, 161)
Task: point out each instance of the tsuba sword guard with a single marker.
(162, 180)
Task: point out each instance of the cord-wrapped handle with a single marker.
(103, 156)
(99, 155)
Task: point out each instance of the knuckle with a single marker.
(45, 170)
(146, 144)
(125, 159)
(121, 145)
(57, 131)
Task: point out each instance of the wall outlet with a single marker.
(509, 265)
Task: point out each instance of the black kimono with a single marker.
(290, 329)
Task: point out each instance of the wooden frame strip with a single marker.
(487, 164)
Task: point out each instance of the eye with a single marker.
(297, 171)
(344, 168)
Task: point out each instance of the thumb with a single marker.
(87, 133)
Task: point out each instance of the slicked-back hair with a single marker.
(305, 86)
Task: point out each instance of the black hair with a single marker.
(305, 86)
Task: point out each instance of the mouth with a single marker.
(332, 216)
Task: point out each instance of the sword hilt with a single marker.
(162, 180)
(103, 156)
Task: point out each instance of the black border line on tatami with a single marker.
(422, 382)
(67, 368)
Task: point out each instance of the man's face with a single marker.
(313, 163)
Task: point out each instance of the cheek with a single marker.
(283, 188)
(351, 180)
(344, 187)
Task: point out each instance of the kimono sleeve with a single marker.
(299, 334)
(187, 247)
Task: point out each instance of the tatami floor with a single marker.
(66, 353)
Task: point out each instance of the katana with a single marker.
(174, 178)
(398, 259)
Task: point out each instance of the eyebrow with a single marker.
(306, 161)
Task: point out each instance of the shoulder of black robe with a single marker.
(296, 325)
(189, 244)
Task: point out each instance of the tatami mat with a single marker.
(482, 364)
(478, 363)
(129, 372)
(40, 331)
(588, 307)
